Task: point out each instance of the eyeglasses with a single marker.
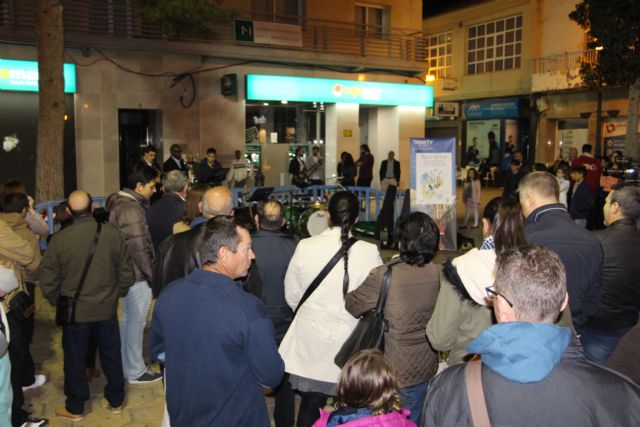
(492, 293)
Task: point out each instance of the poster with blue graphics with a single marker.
(433, 184)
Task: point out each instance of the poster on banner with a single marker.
(479, 130)
(433, 184)
(614, 134)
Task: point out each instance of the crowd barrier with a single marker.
(371, 199)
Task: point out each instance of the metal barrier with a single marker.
(283, 194)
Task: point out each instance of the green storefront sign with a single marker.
(305, 89)
(244, 31)
(23, 76)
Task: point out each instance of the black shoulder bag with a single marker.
(369, 332)
(66, 306)
(320, 277)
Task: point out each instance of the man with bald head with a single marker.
(178, 255)
(109, 276)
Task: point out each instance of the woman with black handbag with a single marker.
(321, 323)
(411, 298)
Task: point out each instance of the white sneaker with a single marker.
(40, 380)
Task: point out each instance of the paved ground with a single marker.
(144, 404)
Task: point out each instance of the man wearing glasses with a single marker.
(532, 372)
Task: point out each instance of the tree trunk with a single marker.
(49, 154)
(632, 149)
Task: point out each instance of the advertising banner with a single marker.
(503, 108)
(433, 184)
(479, 130)
(614, 134)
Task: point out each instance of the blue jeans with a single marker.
(135, 308)
(413, 399)
(599, 345)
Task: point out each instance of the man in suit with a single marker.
(389, 172)
(175, 162)
(163, 214)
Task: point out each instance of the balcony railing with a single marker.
(564, 61)
(125, 19)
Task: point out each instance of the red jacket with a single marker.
(393, 419)
(594, 170)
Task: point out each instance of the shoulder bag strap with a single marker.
(92, 251)
(320, 277)
(384, 290)
(475, 394)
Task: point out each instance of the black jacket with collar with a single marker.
(575, 393)
(620, 301)
(551, 226)
(170, 165)
(396, 169)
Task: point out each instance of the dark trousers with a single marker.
(364, 182)
(284, 412)
(310, 406)
(18, 349)
(75, 343)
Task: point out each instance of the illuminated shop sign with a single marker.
(23, 76)
(305, 89)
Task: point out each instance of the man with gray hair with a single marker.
(217, 370)
(620, 272)
(531, 371)
(178, 255)
(548, 224)
(169, 209)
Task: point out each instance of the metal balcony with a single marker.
(120, 24)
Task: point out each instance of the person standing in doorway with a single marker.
(389, 172)
(365, 167)
(315, 167)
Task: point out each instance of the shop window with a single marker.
(373, 20)
(438, 52)
(502, 37)
(284, 11)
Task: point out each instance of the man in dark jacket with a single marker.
(389, 172)
(109, 277)
(163, 214)
(222, 351)
(174, 162)
(620, 302)
(365, 167)
(274, 249)
(532, 371)
(127, 212)
(209, 170)
(512, 179)
(548, 224)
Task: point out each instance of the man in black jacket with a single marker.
(389, 172)
(274, 249)
(169, 209)
(532, 372)
(548, 224)
(175, 162)
(620, 275)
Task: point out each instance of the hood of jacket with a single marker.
(522, 352)
(14, 220)
(125, 196)
(476, 271)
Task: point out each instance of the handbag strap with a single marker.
(475, 394)
(320, 277)
(384, 289)
(92, 251)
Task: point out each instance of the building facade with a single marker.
(137, 84)
(512, 67)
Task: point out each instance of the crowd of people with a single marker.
(243, 307)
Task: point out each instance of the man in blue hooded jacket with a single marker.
(533, 372)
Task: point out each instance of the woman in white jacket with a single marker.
(322, 324)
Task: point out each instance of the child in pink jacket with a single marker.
(471, 197)
(367, 395)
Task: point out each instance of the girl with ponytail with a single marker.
(322, 324)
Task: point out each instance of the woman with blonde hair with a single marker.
(367, 395)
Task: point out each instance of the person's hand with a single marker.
(31, 201)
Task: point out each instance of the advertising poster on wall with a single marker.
(433, 184)
(614, 134)
(572, 138)
(479, 130)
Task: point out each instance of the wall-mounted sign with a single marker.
(305, 89)
(503, 108)
(272, 33)
(23, 76)
(447, 109)
(347, 133)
